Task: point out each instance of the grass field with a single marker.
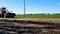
(37, 16)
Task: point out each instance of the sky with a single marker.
(32, 6)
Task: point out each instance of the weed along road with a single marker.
(29, 26)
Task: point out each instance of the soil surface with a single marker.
(46, 19)
(29, 26)
(34, 19)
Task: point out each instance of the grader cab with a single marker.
(6, 14)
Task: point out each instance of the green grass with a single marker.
(37, 16)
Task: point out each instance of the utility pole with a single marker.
(24, 7)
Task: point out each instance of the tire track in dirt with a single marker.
(28, 27)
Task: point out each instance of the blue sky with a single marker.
(32, 6)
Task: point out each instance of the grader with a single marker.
(5, 14)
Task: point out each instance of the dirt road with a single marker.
(34, 19)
